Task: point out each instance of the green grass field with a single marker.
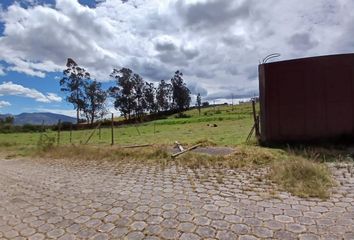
(299, 172)
(233, 125)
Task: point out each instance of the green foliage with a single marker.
(180, 92)
(164, 96)
(182, 115)
(73, 83)
(7, 144)
(199, 103)
(95, 98)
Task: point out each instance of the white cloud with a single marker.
(9, 88)
(216, 43)
(2, 72)
(4, 104)
(52, 97)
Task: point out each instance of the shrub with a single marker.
(45, 142)
(302, 177)
(182, 115)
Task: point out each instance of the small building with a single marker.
(309, 99)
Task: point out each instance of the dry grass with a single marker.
(302, 177)
(322, 154)
(243, 157)
(293, 173)
(252, 156)
(100, 153)
(206, 143)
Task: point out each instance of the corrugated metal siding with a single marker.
(307, 99)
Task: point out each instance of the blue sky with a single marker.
(48, 84)
(217, 44)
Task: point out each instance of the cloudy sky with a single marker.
(217, 44)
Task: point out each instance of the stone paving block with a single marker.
(67, 237)
(114, 200)
(100, 236)
(247, 237)
(55, 233)
(119, 232)
(284, 219)
(206, 232)
(189, 236)
(308, 236)
(37, 236)
(169, 233)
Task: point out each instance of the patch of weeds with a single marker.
(321, 154)
(158, 153)
(11, 156)
(272, 193)
(248, 156)
(206, 142)
(7, 144)
(204, 178)
(45, 142)
(191, 181)
(302, 177)
(182, 115)
(196, 161)
(219, 177)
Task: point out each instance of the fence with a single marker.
(107, 132)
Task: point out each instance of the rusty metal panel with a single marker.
(307, 99)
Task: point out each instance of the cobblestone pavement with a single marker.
(60, 200)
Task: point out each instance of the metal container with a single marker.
(307, 99)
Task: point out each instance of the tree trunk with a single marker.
(92, 118)
(78, 115)
(78, 108)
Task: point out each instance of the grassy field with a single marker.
(233, 125)
(300, 171)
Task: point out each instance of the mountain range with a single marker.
(38, 118)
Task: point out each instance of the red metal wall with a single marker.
(307, 99)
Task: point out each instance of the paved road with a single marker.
(95, 200)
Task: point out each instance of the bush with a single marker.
(182, 115)
(31, 128)
(45, 142)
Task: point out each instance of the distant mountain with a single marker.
(38, 118)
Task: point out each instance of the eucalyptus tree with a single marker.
(73, 83)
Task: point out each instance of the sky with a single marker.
(217, 44)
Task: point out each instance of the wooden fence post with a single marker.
(112, 129)
(99, 132)
(59, 125)
(71, 132)
(42, 131)
(255, 118)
